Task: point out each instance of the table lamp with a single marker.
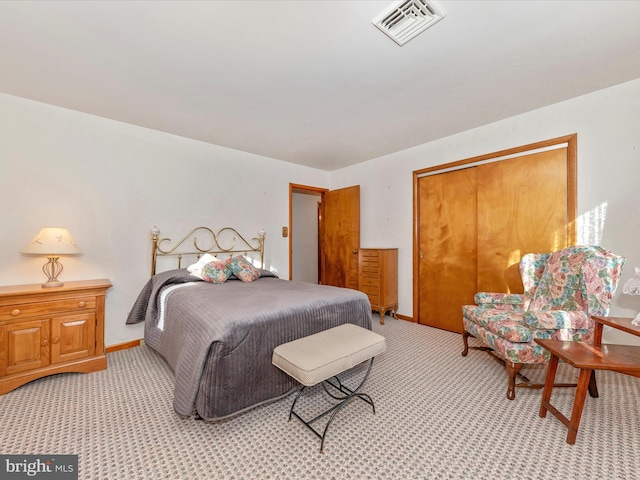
(632, 287)
(52, 242)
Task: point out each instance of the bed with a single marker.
(219, 337)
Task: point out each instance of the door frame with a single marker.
(298, 188)
(571, 142)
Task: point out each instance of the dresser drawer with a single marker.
(369, 261)
(370, 289)
(24, 310)
(370, 254)
(370, 269)
(374, 300)
(369, 281)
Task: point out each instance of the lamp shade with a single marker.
(52, 241)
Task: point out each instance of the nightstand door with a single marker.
(25, 346)
(73, 337)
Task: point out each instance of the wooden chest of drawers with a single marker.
(51, 330)
(378, 278)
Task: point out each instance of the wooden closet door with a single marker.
(522, 208)
(475, 224)
(447, 264)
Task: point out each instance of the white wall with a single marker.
(607, 123)
(110, 182)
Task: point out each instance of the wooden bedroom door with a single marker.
(340, 237)
(474, 224)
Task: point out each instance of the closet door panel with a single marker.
(447, 264)
(522, 208)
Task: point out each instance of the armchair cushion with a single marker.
(558, 319)
(507, 325)
(495, 299)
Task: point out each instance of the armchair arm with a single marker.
(515, 299)
(558, 319)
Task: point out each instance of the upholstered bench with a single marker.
(321, 357)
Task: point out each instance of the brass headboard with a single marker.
(226, 241)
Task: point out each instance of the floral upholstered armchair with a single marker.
(561, 292)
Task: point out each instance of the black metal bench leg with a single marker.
(295, 400)
(347, 396)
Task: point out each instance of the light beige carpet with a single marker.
(438, 416)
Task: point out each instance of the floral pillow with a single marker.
(215, 272)
(196, 268)
(242, 269)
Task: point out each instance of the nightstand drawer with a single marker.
(24, 310)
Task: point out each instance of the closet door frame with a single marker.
(568, 141)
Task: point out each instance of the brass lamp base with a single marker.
(52, 269)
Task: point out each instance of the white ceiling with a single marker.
(312, 82)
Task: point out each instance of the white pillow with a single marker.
(196, 268)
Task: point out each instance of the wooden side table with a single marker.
(51, 330)
(619, 323)
(588, 357)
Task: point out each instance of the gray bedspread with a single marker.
(219, 338)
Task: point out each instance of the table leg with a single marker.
(597, 334)
(593, 386)
(578, 404)
(548, 385)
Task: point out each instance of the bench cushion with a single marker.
(315, 358)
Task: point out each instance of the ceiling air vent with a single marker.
(404, 20)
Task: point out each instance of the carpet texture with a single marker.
(438, 416)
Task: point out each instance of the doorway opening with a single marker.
(333, 240)
(304, 218)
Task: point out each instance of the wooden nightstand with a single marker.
(51, 330)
